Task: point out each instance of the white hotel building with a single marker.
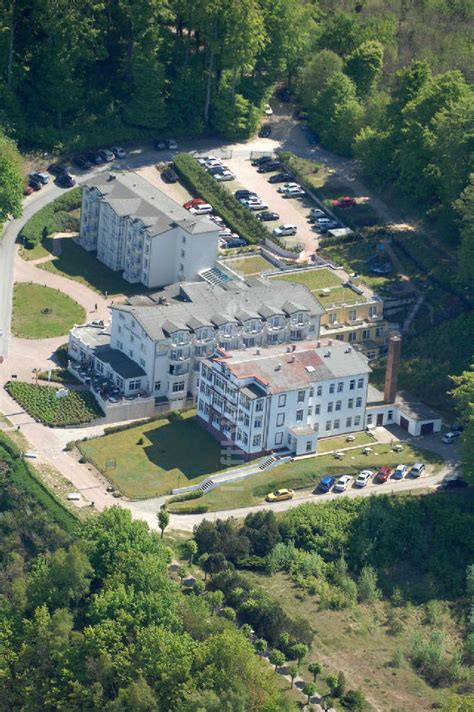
(138, 231)
(283, 397)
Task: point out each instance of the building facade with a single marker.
(139, 231)
(283, 397)
(161, 339)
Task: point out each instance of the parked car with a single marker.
(118, 152)
(323, 221)
(267, 216)
(205, 159)
(227, 234)
(225, 175)
(193, 203)
(35, 183)
(236, 242)
(57, 168)
(216, 219)
(42, 176)
(283, 188)
(343, 483)
(294, 193)
(261, 159)
(107, 155)
(451, 483)
(362, 479)
(345, 202)
(240, 194)
(260, 205)
(164, 144)
(269, 166)
(417, 469)
(94, 157)
(325, 484)
(214, 170)
(285, 229)
(213, 162)
(265, 131)
(27, 190)
(383, 475)
(249, 200)
(280, 495)
(201, 209)
(400, 472)
(279, 178)
(315, 214)
(81, 162)
(451, 437)
(64, 180)
(268, 110)
(169, 176)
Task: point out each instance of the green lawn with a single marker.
(77, 264)
(306, 473)
(247, 266)
(36, 253)
(353, 257)
(31, 320)
(331, 444)
(314, 279)
(172, 454)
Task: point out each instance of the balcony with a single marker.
(179, 369)
(175, 358)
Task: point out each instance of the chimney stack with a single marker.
(393, 367)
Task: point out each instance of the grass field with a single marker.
(248, 266)
(318, 279)
(331, 444)
(77, 264)
(353, 257)
(307, 473)
(154, 458)
(359, 642)
(31, 320)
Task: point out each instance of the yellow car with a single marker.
(280, 495)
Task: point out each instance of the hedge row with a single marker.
(184, 497)
(190, 509)
(239, 219)
(51, 218)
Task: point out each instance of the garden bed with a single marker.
(42, 403)
(54, 217)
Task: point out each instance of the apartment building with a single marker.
(283, 397)
(154, 345)
(137, 230)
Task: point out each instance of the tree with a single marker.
(463, 395)
(262, 530)
(465, 209)
(364, 66)
(229, 613)
(341, 684)
(11, 180)
(315, 669)
(137, 697)
(292, 670)
(261, 646)
(314, 74)
(276, 658)
(367, 589)
(332, 683)
(215, 599)
(214, 563)
(299, 651)
(309, 689)
(163, 520)
(190, 547)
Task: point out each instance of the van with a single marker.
(451, 437)
(74, 497)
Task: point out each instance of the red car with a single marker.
(193, 203)
(383, 475)
(27, 190)
(345, 202)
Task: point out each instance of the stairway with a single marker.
(207, 485)
(266, 463)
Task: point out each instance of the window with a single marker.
(310, 410)
(390, 415)
(183, 239)
(120, 329)
(350, 403)
(352, 337)
(332, 387)
(181, 267)
(178, 387)
(328, 425)
(333, 318)
(282, 400)
(157, 385)
(309, 446)
(134, 385)
(316, 427)
(330, 406)
(257, 423)
(340, 386)
(357, 420)
(280, 419)
(130, 353)
(366, 334)
(352, 314)
(379, 331)
(358, 402)
(257, 439)
(182, 253)
(249, 343)
(337, 425)
(348, 422)
(142, 362)
(317, 409)
(319, 391)
(259, 406)
(372, 311)
(278, 438)
(352, 385)
(120, 345)
(299, 416)
(338, 405)
(360, 383)
(369, 419)
(311, 392)
(301, 395)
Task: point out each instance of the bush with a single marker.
(46, 220)
(238, 218)
(41, 403)
(59, 375)
(192, 509)
(195, 494)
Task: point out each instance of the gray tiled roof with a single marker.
(129, 194)
(199, 304)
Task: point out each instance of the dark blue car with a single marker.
(326, 484)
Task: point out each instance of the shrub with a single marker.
(59, 375)
(238, 218)
(46, 220)
(184, 497)
(192, 509)
(43, 405)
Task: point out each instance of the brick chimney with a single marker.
(393, 366)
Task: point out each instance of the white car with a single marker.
(294, 193)
(107, 154)
(225, 175)
(283, 188)
(227, 234)
(203, 209)
(205, 159)
(118, 152)
(450, 437)
(268, 110)
(343, 483)
(213, 162)
(172, 145)
(258, 206)
(363, 478)
(216, 219)
(285, 229)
